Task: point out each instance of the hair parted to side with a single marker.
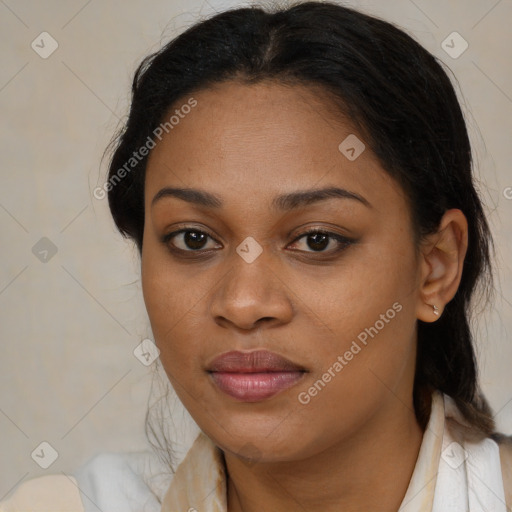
(401, 101)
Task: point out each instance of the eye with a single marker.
(318, 241)
(188, 240)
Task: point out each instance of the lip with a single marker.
(253, 376)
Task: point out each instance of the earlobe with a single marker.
(442, 260)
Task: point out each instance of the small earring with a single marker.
(436, 309)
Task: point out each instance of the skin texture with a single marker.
(355, 443)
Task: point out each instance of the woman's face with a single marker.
(280, 344)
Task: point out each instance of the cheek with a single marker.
(169, 303)
(366, 315)
(363, 332)
(366, 357)
(170, 298)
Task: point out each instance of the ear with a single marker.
(441, 261)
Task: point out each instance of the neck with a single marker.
(369, 471)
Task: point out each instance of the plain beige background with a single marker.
(69, 325)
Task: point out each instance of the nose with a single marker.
(251, 294)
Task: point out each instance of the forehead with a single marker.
(256, 140)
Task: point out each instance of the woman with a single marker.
(299, 186)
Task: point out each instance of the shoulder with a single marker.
(505, 445)
(127, 482)
(45, 494)
(494, 453)
(124, 482)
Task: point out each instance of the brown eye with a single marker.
(189, 240)
(319, 241)
(194, 239)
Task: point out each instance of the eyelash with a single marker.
(342, 240)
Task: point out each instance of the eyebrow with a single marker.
(288, 201)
